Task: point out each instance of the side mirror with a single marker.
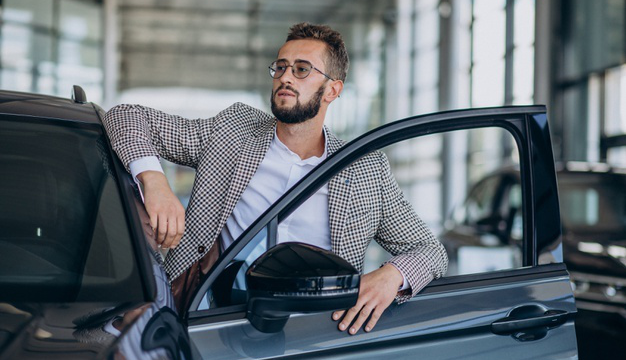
(298, 278)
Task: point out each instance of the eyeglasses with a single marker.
(300, 69)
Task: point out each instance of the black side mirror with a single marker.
(298, 278)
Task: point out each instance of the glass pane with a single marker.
(230, 287)
(484, 232)
(80, 20)
(30, 12)
(615, 101)
(593, 202)
(524, 52)
(64, 233)
(488, 38)
(80, 65)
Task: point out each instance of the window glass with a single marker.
(593, 203)
(484, 232)
(30, 12)
(230, 287)
(80, 20)
(488, 39)
(64, 233)
(488, 237)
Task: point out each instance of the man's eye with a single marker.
(303, 70)
(281, 68)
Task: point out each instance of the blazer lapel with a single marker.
(252, 152)
(339, 195)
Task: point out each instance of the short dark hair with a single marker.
(337, 59)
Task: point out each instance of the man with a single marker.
(245, 159)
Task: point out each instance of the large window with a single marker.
(48, 46)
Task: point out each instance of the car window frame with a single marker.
(527, 124)
(121, 178)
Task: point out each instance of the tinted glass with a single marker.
(63, 232)
(483, 229)
(593, 202)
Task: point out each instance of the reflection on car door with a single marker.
(522, 313)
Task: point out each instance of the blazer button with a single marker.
(201, 249)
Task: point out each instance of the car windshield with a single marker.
(63, 231)
(593, 202)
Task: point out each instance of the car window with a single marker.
(230, 287)
(64, 233)
(484, 230)
(480, 202)
(484, 249)
(593, 202)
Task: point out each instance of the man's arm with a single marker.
(137, 131)
(140, 134)
(418, 257)
(167, 214)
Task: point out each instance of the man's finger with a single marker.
(171, 233)
(373, 320)
(162, 229)
(338, 314)
(363, 315)
(180, 230)
(350, 315)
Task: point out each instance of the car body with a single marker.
(81, 277)
(593, 210)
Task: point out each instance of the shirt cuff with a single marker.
(147, 163)
(108, 327)
(405, 284)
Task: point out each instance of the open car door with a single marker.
(523, 310)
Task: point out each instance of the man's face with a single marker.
(297, 100)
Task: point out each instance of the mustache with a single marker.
(286, 87)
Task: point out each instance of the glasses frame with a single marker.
(293, 71)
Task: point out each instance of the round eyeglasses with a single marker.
(300, 69)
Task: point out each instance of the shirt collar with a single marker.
(284, 151)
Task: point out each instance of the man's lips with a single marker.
(285, 93)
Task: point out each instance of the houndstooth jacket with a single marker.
(364, 200)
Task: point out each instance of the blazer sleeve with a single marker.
(136, 131)
(415, 251)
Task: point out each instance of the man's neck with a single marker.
(306, 139)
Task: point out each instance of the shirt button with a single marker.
(201, 249)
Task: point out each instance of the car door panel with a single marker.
(452, 317)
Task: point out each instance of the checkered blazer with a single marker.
(364, 200)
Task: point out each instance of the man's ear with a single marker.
(333, 90)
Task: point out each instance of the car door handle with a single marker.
(528, 317)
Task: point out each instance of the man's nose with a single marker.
(288, 77)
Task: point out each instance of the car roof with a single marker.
(46, 106)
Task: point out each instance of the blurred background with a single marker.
(408, 57)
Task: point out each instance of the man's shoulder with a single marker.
(243, 111)
(373, 160)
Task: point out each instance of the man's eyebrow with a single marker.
(287, 61)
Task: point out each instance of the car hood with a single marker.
(602, 253)
(88, 330)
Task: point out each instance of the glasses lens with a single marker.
(277, 69)
(302, 69)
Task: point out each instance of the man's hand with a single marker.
(377, 291)
(167, 214)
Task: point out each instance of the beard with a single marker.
(299, 112)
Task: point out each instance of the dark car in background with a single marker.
(81, 277)
(593, 211)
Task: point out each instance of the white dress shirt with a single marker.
(280, 170)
